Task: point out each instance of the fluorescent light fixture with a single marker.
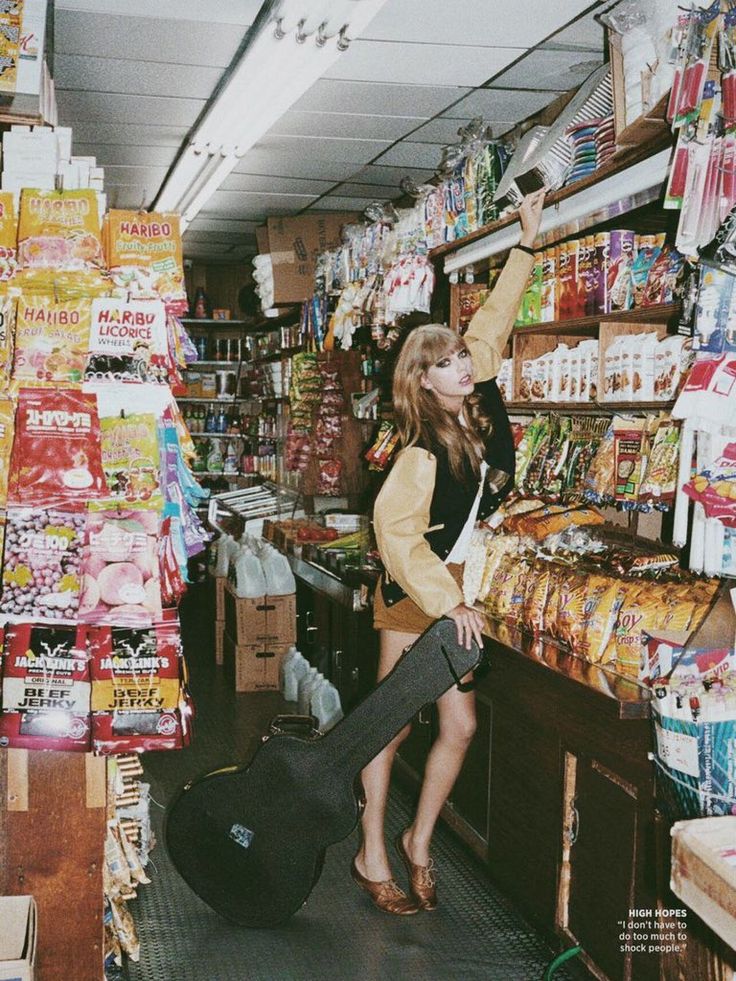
(291, 45)
(615, 195)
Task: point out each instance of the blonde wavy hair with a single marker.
(419, 414)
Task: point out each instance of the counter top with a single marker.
(632, 698)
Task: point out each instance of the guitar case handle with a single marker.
(306, 726)
(482, 668)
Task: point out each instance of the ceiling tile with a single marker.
(276, 163)
(348, 151)
(176, 41)
(149, 177)
(583, 33)
(208, 248)
(406, 154)
(510, 22)
(421, 64)
(227, 238)
(343, 124)
(366, 191)
(227, 225)
(550, 69)
(339, 204)
(444, 130)
(129, 195)
(389, 175)
(133, 134)
(501, 104)
(240, 204)
(331, 95)
(75, 106)
(215, 11)
(134, 77)
(275, 185)
(126, 156)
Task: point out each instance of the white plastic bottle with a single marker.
(286, 672)
(311, 680)
(326, 706)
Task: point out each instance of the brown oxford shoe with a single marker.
(422, 880)
(386, 895)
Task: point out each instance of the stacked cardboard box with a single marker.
(219, 585)
(258, 633)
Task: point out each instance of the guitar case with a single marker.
(250, 840)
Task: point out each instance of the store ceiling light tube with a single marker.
(291, 45)
(614, 195)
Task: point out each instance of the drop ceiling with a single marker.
(132, 77)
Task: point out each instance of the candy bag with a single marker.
(59, 230)
(128, 341)
(51, 341)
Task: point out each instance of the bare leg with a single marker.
(457, 726)
(372, 860)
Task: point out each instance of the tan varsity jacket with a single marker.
(401, 512)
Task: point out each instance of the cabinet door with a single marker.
(319, 630)
(415, 748)
(602, 874)
(304, 615)
(470, 795)
(343, 654)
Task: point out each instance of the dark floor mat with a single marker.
(475, 935)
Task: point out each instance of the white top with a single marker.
(459, 551)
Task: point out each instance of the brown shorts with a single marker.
(405, 616)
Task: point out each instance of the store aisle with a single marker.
(474, 935)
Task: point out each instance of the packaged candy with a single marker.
(121, 572)
(127, 341)
(8, 236)
(42, 571)
(130, 459)
(59, 230)
(51, 341)
(144, 256)
(56, 460)
(7, 429)
(7, 339)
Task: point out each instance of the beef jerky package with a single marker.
(58, 731)
(56, 460)
(42, 572)
(46, 669)
(137, 732)
(121, 572)
(136, 670)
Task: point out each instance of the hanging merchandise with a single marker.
(7, 339)
(8, 237)
(127, 342)
(51, 341)
(144, 256)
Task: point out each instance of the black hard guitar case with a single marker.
(250, 840)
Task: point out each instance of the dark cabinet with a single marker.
(470, 797)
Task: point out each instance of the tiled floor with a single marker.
(474, 935)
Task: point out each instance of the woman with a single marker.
(457, 463)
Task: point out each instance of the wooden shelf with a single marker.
(583, 325)
(263, 326)
(587, 408)
(621, 161)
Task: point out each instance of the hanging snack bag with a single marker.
(660, 478)
(121, 574)
(42, 571)
(535, 598)
(51, 341)
(127, 341)
(603, 599)
(136, 670)
(144, 256)
(8, 306)
(138, 732)
(570, 609)
(59, 231)
(8, 236)
(56, 460)
(628, 439)
(45, 669)
(130, 459)
(7, 429)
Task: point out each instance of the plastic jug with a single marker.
(279, 577)
(223, 552)
(325, 705)
(297, 669)
(250, 581)
(286, 673)
(311, 680)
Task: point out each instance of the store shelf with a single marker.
(588, 408)
(663, 312)
(263, 326)
(621, 162)
(285, 352)
(217, 399)
(196, 365)
(247, 437)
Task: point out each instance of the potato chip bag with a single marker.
(551, 607)
(59, 230)
(603, 599)
(535, 597)
(51, 341)
(570, 608)
(645, 608)
(499, 597)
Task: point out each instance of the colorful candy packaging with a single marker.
(7, 339)
(56, 460)
(51, 341)
(42, 572)
(8, 236)
(144, 256)
(7, 429)
(59, 230)
(121, 574)
(130, 459)
(127, 341)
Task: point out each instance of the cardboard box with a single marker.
(268, 619)
(219, 641)
(704, 871)
(294, 244)
(253, 667)
(220, 584)
(17, 938)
